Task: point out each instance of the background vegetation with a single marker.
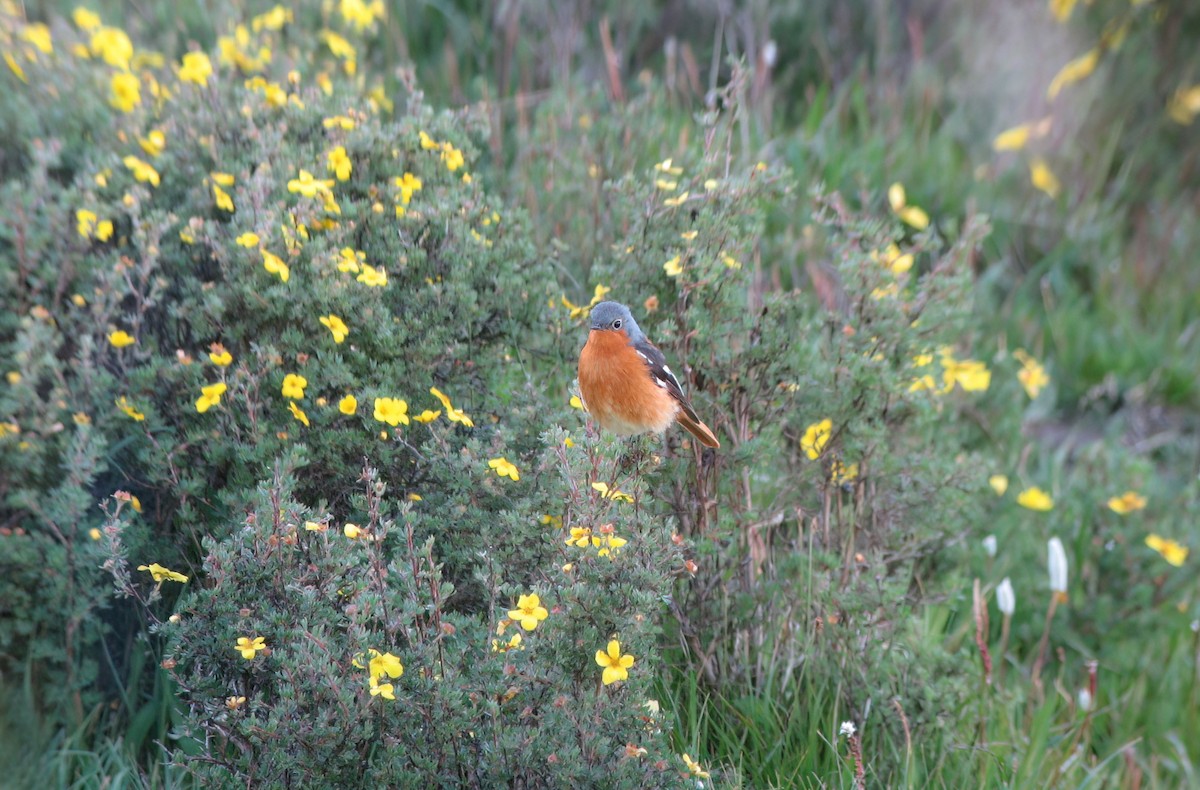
(927, 269)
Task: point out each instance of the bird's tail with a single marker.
(697, 428)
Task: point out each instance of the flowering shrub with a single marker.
(257, 271)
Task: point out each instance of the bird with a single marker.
(625, 383)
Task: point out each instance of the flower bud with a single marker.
(1058, 566)
(1006, 599)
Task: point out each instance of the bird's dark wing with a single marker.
(656, 366)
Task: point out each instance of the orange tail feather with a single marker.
(698, 429)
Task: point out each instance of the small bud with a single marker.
(990, 545)
(168, 663)
(1058, 566)
(1006, 599)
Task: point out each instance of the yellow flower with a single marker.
(673, 267)
(340, 47)
(210, 396)
(141, 170)
(529, 612)
(1184, 105)
(308, 186)
(667, 166)
(514, 643)
(616, 666)
(1073, 72)
(85, 19)
(126, 91)
(339, 122)
(731, 262)
(452, 157)
(427, 142)
(248, 240)
(1035, 499)
(293, 386)
(224, 201)
(972, 375)
(694, 768)
(1013, 139)
(999, 484)
(678, 200)
(614, 494)
(1043, 178)
(1127, 502)
(153, 143)
(124, 405)
(349, 259)
(910, 215)
(85, 222)
(370, 276)
(840, 473)
(1062, 9)
(195, 68)
(233, 703)
(337, 326)
(274, 19)
(393, 411)
(816, 436)
(576, 403)
(275, 265)
(385, 690)
(340, 163)
(298, 413)
(385, 664)
(1171, 551)
(220, 356)
(609, 541)
(359, 13)
(504, 468)
(113, 46)
(15, 67)
(315, 526)
(161, 574)
(352, 531)
(897, 263)
(348, 405)
(1031, 375)
(665, 185)
(94, 533)
(452, 414)
(408, 184)
(427, 416)
(249, 646)
(38, 35)
(121, 338)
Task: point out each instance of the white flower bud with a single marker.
(1058, 566)
(990, 545)
(1006, 599)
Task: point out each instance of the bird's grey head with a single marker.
(615, 316)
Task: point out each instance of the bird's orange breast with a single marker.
(617, 388)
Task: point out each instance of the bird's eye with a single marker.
(617, 324)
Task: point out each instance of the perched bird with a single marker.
(625, 382)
